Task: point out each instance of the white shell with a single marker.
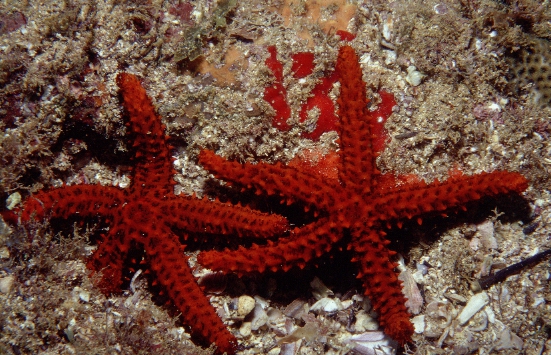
(13, 200)
(418, 324)
(475, 304)
(371, 343)
(411, 291)
(327, 304)
(414, 76)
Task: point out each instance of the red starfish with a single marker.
(148, 215)
(362, 201)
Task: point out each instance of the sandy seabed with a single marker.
(468, 79)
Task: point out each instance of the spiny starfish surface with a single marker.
(150, 216)
(361, 203)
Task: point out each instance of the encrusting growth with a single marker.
(362, 201)
(148, 215)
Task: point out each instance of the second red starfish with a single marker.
(149, 217)
(361, 202)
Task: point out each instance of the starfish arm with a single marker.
(420, 197)
(82, 200)
(273, 179)
(358, 157)
(296, 250)
(108, 259)
(204, 216)
(381, 283)
(167, 259)
(153, 169)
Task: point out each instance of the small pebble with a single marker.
(245, 329)
(13, 200)
(84, 296)
(259, 317)
(245, 305)
(6, 283)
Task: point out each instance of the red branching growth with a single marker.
(381, 114)
(183, 11)
(314, 162)
(276, 95)
(303, 64)
(327, 120)
(345, 35)
(146, 214)
(361, 201)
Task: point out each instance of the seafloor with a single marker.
(472, 88)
